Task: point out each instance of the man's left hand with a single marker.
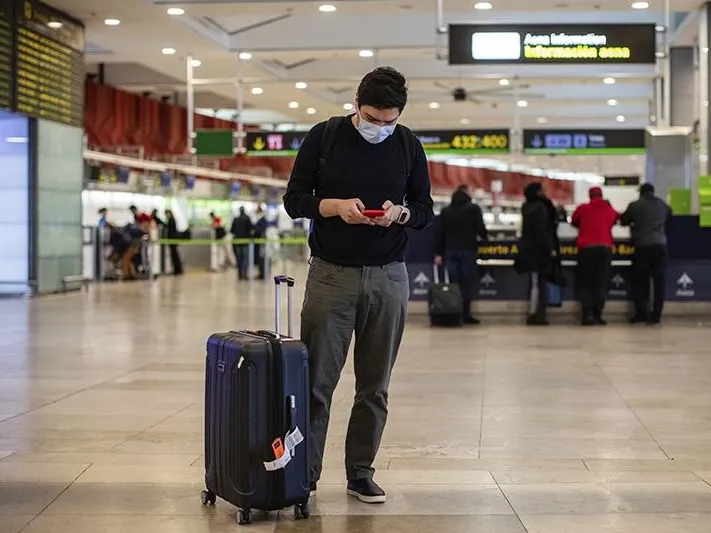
(392, 214)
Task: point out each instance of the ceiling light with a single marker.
(348, 107)
(612, 101)
(293, 105)
(301, 85)
(504, 82)
(434, 105)
(483, 5)
(366, 53)
(609, 81)
(176, 11)
(541, 120)
(465, 121)
(195, 63)
(620, 118)
(640, 5)
(54, 24)
(257, 91)
(310, 111)
(327, 8)
(522, 103)
(245, 56)
(16, 140)
(112, 22)
(168, 51)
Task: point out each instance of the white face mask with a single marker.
(373, 133)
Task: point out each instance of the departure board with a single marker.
(7, 54)
(49, 64)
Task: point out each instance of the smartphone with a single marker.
(374, 213)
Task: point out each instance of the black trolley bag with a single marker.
(257, 418)
(445, 302)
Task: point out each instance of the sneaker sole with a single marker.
(367, 499)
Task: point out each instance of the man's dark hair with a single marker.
(383, 88)
(646, 188)
(133, 208)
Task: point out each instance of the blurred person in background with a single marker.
(144, 220)
(223, 257)
(647, 219)
(538, 249)
(172, 233)
(260, 232)
(594, 221)
(242, 229)
(459, 229)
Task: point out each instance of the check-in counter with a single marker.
(502, 290)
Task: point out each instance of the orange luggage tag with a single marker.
(278, 448)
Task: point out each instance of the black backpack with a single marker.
(407, 139)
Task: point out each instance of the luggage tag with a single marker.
(287, 450)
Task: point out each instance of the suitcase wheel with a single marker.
(301, 511)
(207, 497)
(244, 517)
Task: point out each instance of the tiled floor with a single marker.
(496, 429)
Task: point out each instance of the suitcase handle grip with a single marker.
(278, 281)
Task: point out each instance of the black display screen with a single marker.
(49, 64)
(622, 181)
(464, 141)
(583, 141)
(552, 44)
(7, 54)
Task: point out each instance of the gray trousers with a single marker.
(372, 302)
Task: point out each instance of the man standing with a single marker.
(260, 232)
(242, 229)
(459, 230)
(594, 221)
(357, 280)
(647, 218)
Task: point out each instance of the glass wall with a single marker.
(14, 204)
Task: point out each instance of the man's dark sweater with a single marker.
(374, 173)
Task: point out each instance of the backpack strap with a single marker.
(407, 139)
(327, 140)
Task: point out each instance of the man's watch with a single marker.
(404, 215)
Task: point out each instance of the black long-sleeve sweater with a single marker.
(373, 173)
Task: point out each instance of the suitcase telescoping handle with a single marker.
(278, 281)
(435, 269)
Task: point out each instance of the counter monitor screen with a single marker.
(49, 64)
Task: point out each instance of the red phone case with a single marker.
(374, 213)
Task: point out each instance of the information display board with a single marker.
(580, 142)
(267, 143)
(464, 141)
(49, 64)
(552, 44)
(7, 53)
(622, 181)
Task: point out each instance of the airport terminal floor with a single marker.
(497, 428)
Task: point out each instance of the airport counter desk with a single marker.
(502, 290)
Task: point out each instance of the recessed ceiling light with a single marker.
(504, 82)
(640, 5)
(348, 107)
(301, 85)
(620, 118)
(366, 53)
(168, 51)
(465, 121)
(176, 11)
(541, 120)
(609, 81)
(195, 63)
(522, 103)
(257, 91)
(434, 105)
(112, 22)
(327, 8)
(293, 105)
(483, 5)
(54, 24)
(310, 111)
(612, 101)
(245, 56)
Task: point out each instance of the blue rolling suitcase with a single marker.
(257, 419)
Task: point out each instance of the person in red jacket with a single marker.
(594, 221)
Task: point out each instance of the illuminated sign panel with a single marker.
(552, 44)
(591, 142)
(464, 141)
(7, 54)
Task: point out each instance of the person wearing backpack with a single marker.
(362, 180)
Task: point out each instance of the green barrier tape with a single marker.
(209, 242)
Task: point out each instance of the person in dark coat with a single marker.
(172, 233)
(242, 228)
(538, 249)
(459, 229)
(259, 231)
